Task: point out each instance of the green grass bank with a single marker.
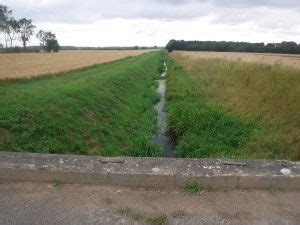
(103, 110)
(219, 108)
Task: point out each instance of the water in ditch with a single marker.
(162, 138)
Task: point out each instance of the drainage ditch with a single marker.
(162, 138)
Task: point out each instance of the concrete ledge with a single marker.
(150, 172)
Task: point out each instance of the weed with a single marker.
(56, 184)
(126, 211)
(193, 188)
(160, 219)
(273, 189)
(137, 216)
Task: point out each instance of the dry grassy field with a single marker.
(285, 59)
(26, 65)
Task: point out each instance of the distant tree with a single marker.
(11, 28)
(288, 47)
(48, 41)
(283, 47)
(26, 30)
(171, 45)
(271, 47)
(52, 45)
(5, 16)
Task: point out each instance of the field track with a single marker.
(285, 59)
(26, 65)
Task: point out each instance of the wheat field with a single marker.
(285, 59)
(27, 65)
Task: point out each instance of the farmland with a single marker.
(292, 60)
(107, 110)
(236, 109)
(227, 105)
(26, 65)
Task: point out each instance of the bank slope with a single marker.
(104, 110)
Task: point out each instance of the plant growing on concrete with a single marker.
(160, 219)
(56, 184)
(193, 188)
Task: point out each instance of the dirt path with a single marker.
(33, 203)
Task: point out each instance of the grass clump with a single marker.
(193, 188)
(160, 219)
(56, 184)
(126, 211)
(104, 110)
(273, 190)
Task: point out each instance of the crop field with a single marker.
(107, 110)
(284, 59)
(26, 65)
(235, 109)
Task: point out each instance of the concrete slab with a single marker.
(150, 172)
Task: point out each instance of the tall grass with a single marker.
(201, 129)
(104, 110)
(265, 95)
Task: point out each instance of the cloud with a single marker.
(74, 11)
(100, 22)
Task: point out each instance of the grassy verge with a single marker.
(234, 109)
(104, 110)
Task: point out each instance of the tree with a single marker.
(5, 15)
(11, 28)
(26, 30)
(171, 45)
(283, 47)
(48, 41)
(52, 45)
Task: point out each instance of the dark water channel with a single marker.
(162, 138)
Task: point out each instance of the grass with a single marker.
(193, 188)
(220, 108)
(126, 211)
(160, 219)
(104, 110)
(56, 184)
(273, 189)
(201, 129)
(157, 219)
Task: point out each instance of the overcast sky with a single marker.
(155, 22)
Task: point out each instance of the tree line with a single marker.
(23, 29)
(230, 46)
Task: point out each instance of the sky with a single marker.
(154, 22)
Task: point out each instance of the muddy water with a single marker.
(162, 138)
